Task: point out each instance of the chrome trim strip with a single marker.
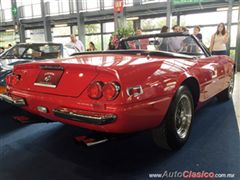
(45, 85)
(117, 87)
(135, 87)
(17, 102)
(99, 120)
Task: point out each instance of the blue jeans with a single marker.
(219, 52)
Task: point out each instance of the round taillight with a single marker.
(8, 80)
(12, 79)
(95, 90)
(111, 90)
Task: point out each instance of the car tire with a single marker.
(226, 94)
(173, 133)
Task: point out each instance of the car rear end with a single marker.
(83, 95)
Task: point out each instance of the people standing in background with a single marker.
(184, 29)
(137, 42)
(162, 42)
(75, 43)
(164, 29)
(175, 43)
(91, 47)
(176, 28)
(219, 41)
(138, 32)
(196, 32)
(2, 49)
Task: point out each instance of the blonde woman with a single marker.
(219, 41)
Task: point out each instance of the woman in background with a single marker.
(91, 47)
(219, 41)
(164, 29)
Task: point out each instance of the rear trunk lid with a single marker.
(59, 79)
(71, 76)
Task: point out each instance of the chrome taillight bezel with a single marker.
(117, 88)
(100, 85)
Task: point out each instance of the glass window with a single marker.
(54, 7)
(36, 10)
(74, 29)
(7, 15)
(7, 38)
(58, 7)
(30, 8)
(153, 23)
(235, 16)
(61, 31)
(233, 40)
(92, 28)
(15, 52)
(6, 4)
(128, 2)
(40, 51)
(152, 1)
(232, 53)
(207, 33)
(5, 11)
(108, 4)
(27, 2)
(63, 40)
(64, 6)
(27, 11)
(106, 40)
(92, 5)
(108, 27)
(129, 24)
(35, 35)
(204, 18)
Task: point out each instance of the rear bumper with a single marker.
(99, 119)
(20, 102)
(113, 118)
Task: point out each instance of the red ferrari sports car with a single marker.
(155, 86)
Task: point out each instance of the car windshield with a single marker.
(183, 44)
(34, 51)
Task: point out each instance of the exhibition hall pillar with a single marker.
(46, 23)
(237, 54)
(169, 14)
(18, 26)
(80, 22)
(229, 23)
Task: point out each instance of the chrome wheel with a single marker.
(183, 116)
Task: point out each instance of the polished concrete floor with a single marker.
(47, 150)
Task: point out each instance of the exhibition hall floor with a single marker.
(47, 150)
